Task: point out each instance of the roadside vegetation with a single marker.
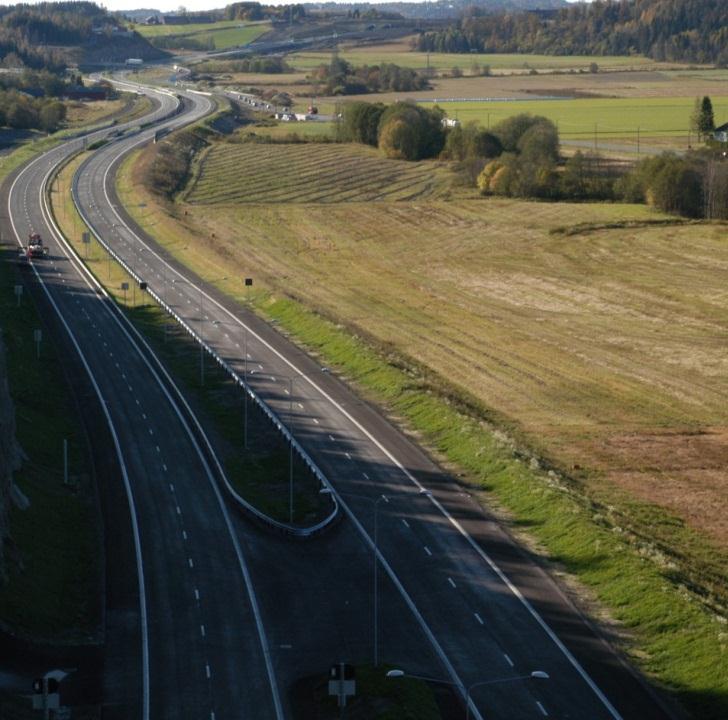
(53, 590)
(554, 420)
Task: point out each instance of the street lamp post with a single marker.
(375, 502)
(536, 674)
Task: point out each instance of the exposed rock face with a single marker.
(10, 455)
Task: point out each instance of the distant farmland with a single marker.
(604, 345)
(223, 34)
(312, 173)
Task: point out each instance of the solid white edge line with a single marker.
(119, 454)
(128, 328)
(524, 601)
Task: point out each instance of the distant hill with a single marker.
(676, 30)
(54, 35)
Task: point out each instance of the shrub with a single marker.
(411, 132)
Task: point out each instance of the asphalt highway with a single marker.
(194, 627)
(481, 605)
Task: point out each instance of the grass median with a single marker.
(260, 474)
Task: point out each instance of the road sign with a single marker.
(341, 682)
(142, 285)
(248, 282)
(125, 286)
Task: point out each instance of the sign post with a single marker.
(18, 293)
(125, 287)
(37, 337)
(86, 240)
(342, 683)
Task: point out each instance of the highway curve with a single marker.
(480, 604)
(194, 628)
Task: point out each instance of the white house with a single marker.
(721, 133)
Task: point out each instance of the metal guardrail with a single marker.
(259, 402)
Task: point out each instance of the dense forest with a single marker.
(674, 30)
(28, 33)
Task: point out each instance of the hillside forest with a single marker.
(672, 30)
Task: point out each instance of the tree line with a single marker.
(28, 33)
(673, 30)
(268, 64)
(30, 100)
(340, 77)
(520, 157)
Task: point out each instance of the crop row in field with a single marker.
(587, 117)
(311, 173)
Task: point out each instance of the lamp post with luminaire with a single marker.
(375, 502)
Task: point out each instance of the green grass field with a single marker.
(444, 62)
(608, 117)
(224, 34)
(591, 334)
(312, 173)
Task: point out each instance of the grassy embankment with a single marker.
(261, 475)
(556, 323)
(54, 571)
(224, 34)
(53, 590)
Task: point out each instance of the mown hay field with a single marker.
(596, 330)
(311, 173)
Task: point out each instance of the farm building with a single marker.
(721, 133)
